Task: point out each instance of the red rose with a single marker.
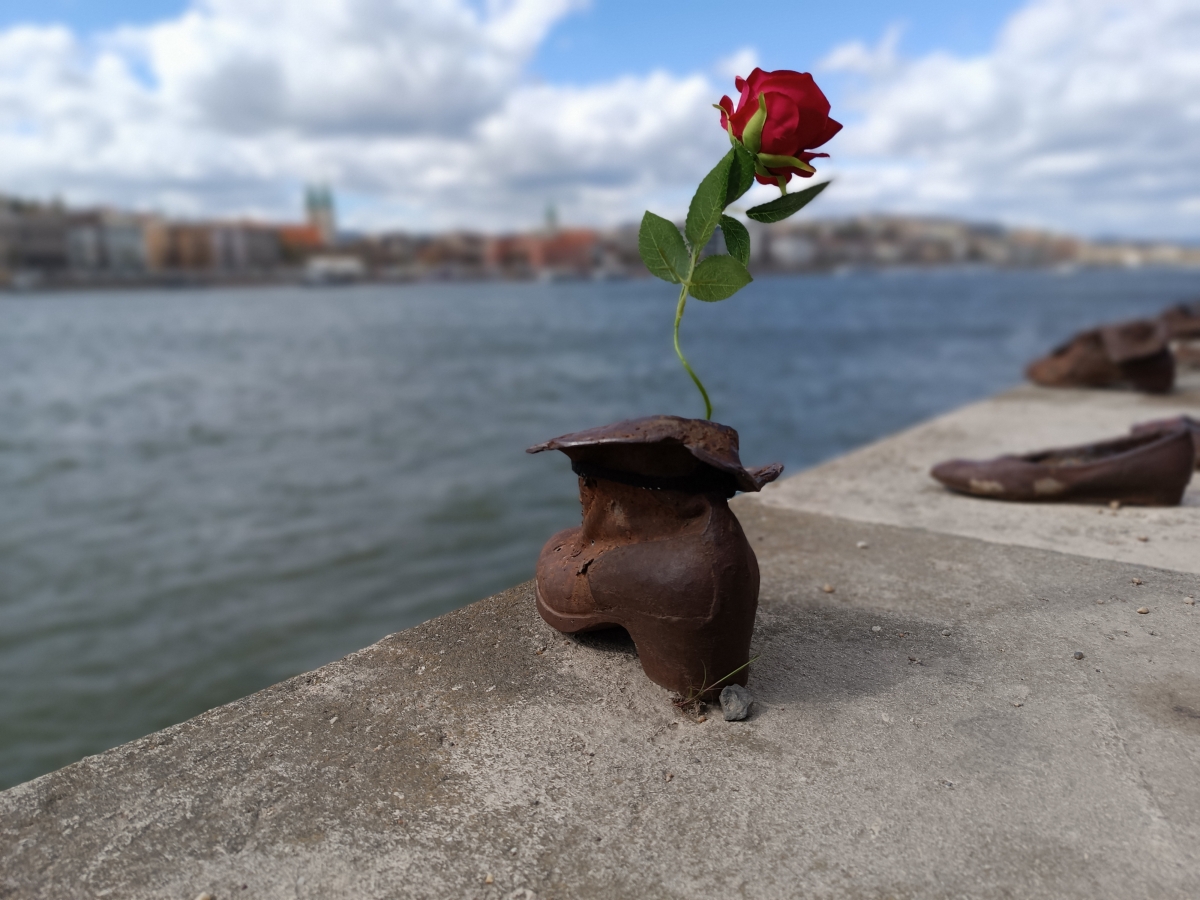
(797, 120)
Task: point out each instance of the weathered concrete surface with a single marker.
(903, 762)
(888, 482)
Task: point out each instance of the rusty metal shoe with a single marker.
(1165, 426)
(659, 552)
(1135, 353)
(1148, 470)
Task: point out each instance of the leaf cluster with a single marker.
(675, 257)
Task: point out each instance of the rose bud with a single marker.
(780, 117)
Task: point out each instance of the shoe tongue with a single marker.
(1129, 341)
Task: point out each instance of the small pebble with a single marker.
(1143, 538)
(1078, 654)
(945, 632)
(1135, 581)
(488, 879)
(1017, 703)
(735, 702)
(1190, 601)
(670, 775)
(827, 588)
(876, 628)
(701, 720)
(1142, 610)
(334, 719)
(862, 545)
(513, 851)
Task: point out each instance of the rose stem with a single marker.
(683, 295)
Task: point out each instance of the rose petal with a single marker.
(754, 81)
(811, 125)
(831, 128)
(799, 86)
(748, 99)
(779, 132)
(745, 112)
(727, 110)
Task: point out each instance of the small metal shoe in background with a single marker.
(1151, 469)
(1136, 353)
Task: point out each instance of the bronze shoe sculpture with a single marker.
(1162, 426)
(1147, 469)
(1135, 353)
(659, 552)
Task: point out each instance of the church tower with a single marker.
(318, 204)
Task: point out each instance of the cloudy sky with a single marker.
(1081, 115)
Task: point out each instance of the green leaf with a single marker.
(752, 133)
(741, 173)
(782, 207)
(773, 161)
(718, 277)
(662, 248)
(708, 204)
(737, 239)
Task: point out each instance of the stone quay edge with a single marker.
(923, 724)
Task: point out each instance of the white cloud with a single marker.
(344, 65)
(741, 62)
(1084, 116)
(421, 105)
(879, 61)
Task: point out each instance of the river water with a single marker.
(203, 492)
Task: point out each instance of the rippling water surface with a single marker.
(204, 492)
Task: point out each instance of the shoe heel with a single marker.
(695, 663)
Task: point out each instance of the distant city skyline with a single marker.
(1075, 115)
(54, 245)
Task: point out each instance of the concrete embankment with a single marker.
(923, 730)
